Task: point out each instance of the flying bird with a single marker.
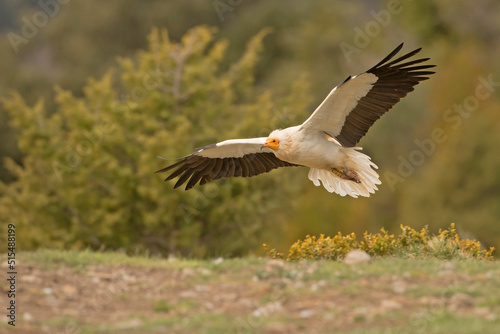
(325, 142)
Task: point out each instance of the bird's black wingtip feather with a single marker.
(389, 57)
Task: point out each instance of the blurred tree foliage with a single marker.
(87, 174)
(457, 183)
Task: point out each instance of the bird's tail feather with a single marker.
(358, 162)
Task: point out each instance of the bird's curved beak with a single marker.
(262, 147)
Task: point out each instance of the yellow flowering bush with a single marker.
(447, 244)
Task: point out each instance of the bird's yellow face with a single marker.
(272, 143)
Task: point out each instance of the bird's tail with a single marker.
(357, 162)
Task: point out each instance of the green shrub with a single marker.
(86, 179)
(411, 243)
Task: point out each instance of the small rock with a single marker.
(27, 316)
(431, 301)
(47, 291)
(390, 304)
(187, 294)
(399, 287)
(316, 286)
(267, 309)
(129, 324)
(306, 313)
(200, 288)
(218, 260)
(298, 285)
(128, 278)
(357, 256)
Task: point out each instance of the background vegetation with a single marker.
(80, 157)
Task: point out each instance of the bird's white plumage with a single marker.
(323, 153)
(332, 112)
(359, 162)
(234, 148)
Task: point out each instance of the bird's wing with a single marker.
(352, 107)
(235, 157)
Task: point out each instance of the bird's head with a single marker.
(278, 139)
(272, 143)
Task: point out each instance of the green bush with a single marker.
(410, 243)
(86, 180)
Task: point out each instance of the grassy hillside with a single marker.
(86, 292)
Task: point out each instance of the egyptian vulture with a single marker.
(325, 142)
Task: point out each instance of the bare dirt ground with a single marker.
(256, 296)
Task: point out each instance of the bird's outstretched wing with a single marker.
(235, 157)
(352, 107)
